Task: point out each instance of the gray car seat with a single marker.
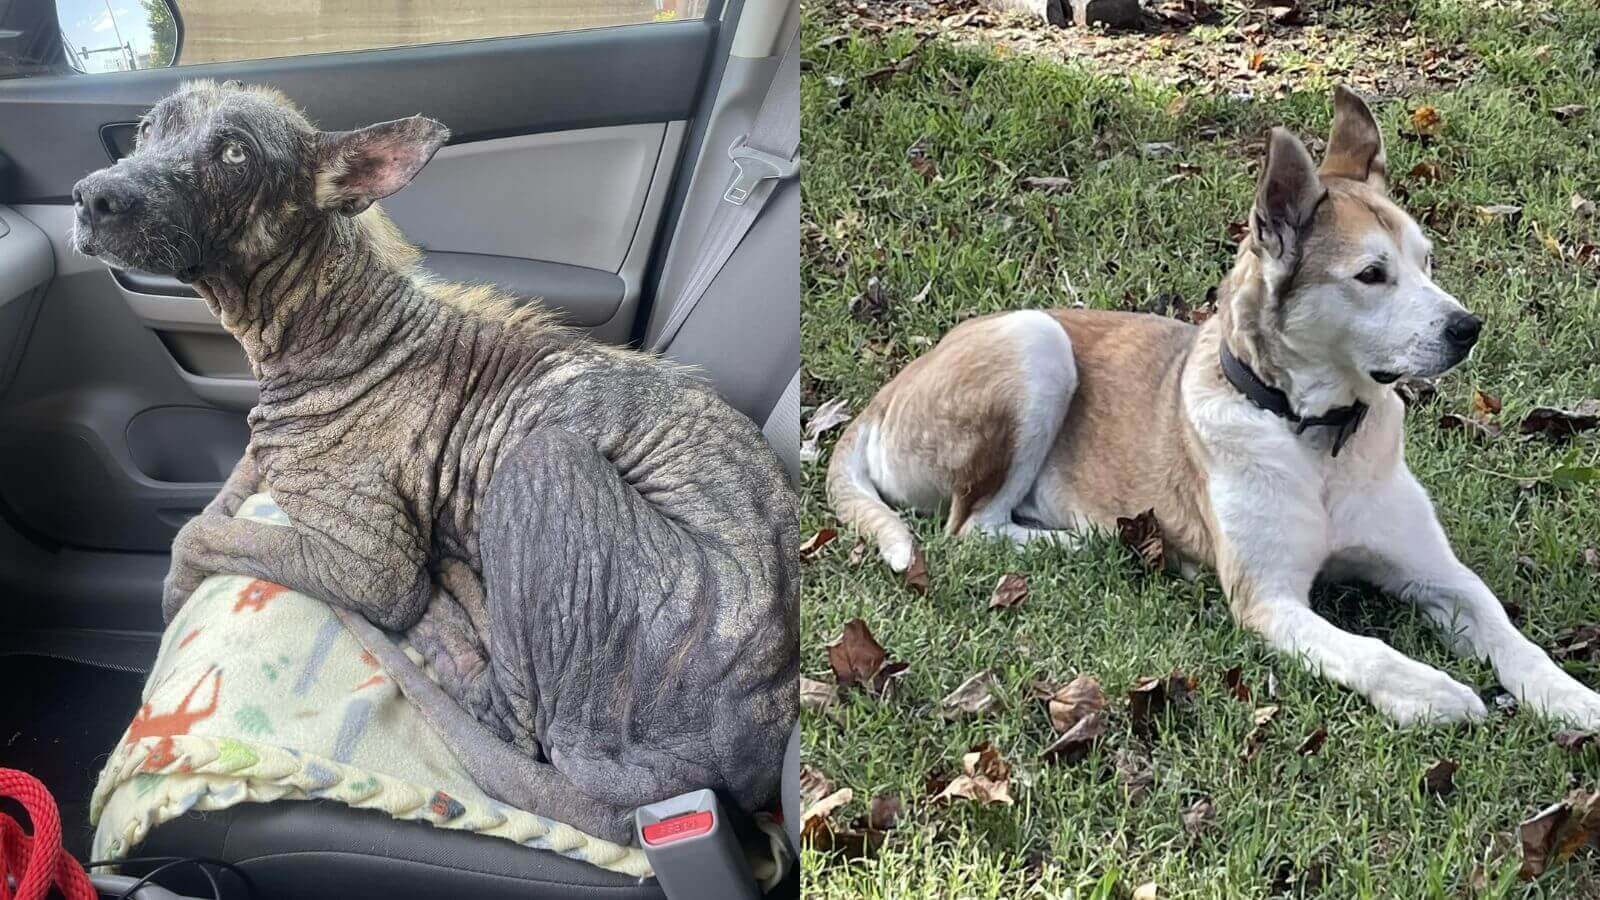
(743, 335)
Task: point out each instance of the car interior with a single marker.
(584, 169)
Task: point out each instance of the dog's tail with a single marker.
(856, 500)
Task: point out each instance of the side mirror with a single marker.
(119, 35)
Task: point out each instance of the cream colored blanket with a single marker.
(259, 694)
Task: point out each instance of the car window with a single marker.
(102, 36)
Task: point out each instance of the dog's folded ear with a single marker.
(1355, 148)
(359, 168)
(1287, 195)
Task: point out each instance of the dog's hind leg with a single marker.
(996, 483)
(1404, 551)
(644, 636)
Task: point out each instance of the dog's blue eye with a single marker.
(1372, 275)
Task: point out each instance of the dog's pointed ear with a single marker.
(1355, 148)
(1287, 195)
(358, 168)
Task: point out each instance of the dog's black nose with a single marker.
(103, 202)
(1463, 330)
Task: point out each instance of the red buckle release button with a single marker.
(678, 827)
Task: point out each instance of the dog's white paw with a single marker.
(1423, 695)
(898, 554)
(1566, 700)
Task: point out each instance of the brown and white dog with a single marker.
(1268, 440)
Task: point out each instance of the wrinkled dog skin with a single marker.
(595, 553)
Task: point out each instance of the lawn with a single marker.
(919, 138)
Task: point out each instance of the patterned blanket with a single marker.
(259, 694)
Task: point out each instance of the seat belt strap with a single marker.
(766, 156)
(782, 428)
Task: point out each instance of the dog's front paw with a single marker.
(181, 581)
(1423, 695)
(1564, 699)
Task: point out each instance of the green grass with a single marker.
(1120, 236)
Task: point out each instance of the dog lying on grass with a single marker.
(1268, 440)
(593, 551)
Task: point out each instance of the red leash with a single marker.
(37, 862)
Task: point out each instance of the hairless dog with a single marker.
(595, 555)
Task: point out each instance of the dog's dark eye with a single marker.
(1373, 274)
(233, 153)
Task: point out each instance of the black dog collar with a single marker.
(1344, 420)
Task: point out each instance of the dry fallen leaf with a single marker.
(1582, 207)
(858, 659)
(986, 778)
(1498, 212)
(1581, 642)
(1142, 535)
(817, 696)
(813, 785)
(1427, 170)
(916, 574)
(1557, 832)
(828, 416)
(1313, 742)
(1050, 184)
(1077, 713)
(1569, 112)
(1009, 591)
(1415, 391)
(1146, 891)
(973, 697)
(1574, 741)
(1135, 772)
(1476, 428)
(1440, 778)
(1257, 738)
(1484, 404)
(1590, 557)
(1199, 816)
(1150, 698)
(872, 304)
(1233, 679)
(1427, 121)
(1560, 424)
(816, 542)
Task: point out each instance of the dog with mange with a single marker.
(1268, 440)
(595, 554)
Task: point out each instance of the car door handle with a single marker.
(147, 283)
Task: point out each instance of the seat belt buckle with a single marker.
(753, 167)
(693, 849)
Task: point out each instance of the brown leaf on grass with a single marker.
(1561, 424)
(904, 64)
(817, 696)
(1257, 61)
(1135, 772)
(1582, 642)
(883, 813)
(816, 542)
(1049, 184)
(985, 778)
(818, 832)
(1574, 741)
(1415, 391)
(1568, 112)
(1427, 170)
(1484, 403)
(916, 574)
(1233, 680)
(922, 163)
(1009, 591)
(813, 785)
(1199, 816)
(1312, 745)
(1581, 207)
(1077, 712)
(1147, 891)
(1440, 778)
(858, 553)
(1590, 558)
(872, 304)
(1556, 832)
(1257, 738)
(1177, 105)
(1142, 535)
(1238, 231)
(1498, 212)
(1427, 121)
(828, 416)
(973, 697)
(858, 659)
(1480, 431)
(1151, 698)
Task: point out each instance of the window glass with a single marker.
(117, 35)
